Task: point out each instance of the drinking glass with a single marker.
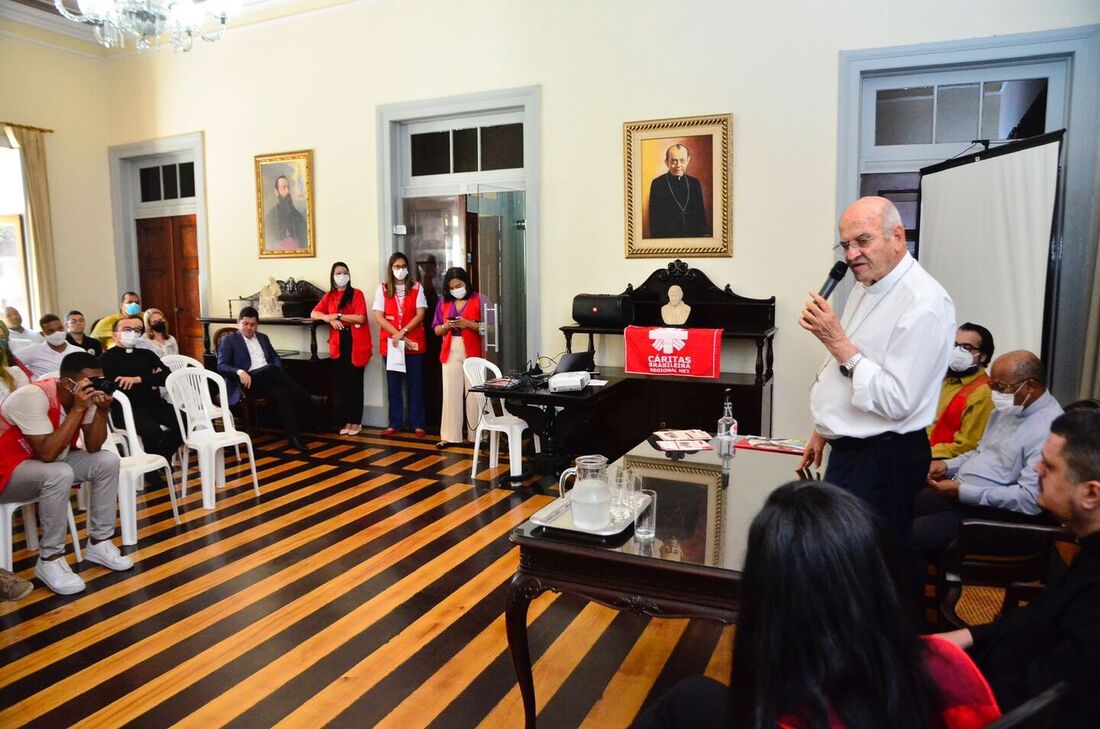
(645, 516)
(624, 487)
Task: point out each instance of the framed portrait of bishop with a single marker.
(284, 204)
(678, 187)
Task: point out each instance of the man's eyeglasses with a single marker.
(969, 348)
(132, 330)
(863, 242)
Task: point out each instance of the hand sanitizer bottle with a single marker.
(727, 428)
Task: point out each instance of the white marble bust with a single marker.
(675, 312)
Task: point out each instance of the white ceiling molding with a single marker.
(46, 19)
(251, 15)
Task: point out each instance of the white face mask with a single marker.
(129, 339)
(960, 360)
(400, 273)
(342, 279)
(459, 293)
(1005, 402)
(56, 338)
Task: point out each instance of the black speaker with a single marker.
(603, 310)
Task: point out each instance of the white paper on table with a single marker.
(597, 383)
(395, 357)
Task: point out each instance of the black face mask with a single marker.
(159, 327)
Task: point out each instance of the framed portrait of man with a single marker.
(284, 204)
(678, 187)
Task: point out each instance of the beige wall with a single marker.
(314, 81)
(67, 92)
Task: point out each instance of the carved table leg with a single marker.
(770, 359)
(524, 589)
(759, 361)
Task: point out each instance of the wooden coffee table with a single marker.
(691, 569)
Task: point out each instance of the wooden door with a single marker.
(168, 266)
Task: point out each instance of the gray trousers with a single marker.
(52, 483)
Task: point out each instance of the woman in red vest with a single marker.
(349, 345)
(457, 321)
(399, 308)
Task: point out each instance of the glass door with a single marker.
(499, 258)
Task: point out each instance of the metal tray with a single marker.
(558, 515)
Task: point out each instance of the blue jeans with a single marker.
(414, 376)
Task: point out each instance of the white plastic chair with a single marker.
(190, 391)
(511, 425)
(131, 474)
(30, 526)
(176, 362)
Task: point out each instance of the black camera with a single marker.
(102, 384)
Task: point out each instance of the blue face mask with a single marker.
(132, 308)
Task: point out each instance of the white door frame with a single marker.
(528, 101)
(123, 161)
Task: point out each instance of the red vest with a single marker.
(471, 338)
(361, 347)
(397, 316)
(14, 448)
(949, 422)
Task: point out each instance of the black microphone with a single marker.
(836, 274)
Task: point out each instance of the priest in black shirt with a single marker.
(676, 205)
(140, 374)
(1057, 636)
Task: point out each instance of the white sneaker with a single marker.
(58, 576)
(107, 554)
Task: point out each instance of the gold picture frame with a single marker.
(697, 490)
(677, 180)
(284, 204)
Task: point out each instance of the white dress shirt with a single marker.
(256, 352)
(904, 326)
(1000, 472)
(42, 359)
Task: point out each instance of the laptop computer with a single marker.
(576, 362)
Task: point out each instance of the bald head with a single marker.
(1017, 366)
(873, 238)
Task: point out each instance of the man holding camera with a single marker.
(140, 374)
(39, 427)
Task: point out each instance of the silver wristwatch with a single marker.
(846, 368)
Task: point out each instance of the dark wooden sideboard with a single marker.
(646, 403)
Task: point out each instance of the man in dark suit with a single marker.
(247, 360)
(676, 205)
(1057, 637)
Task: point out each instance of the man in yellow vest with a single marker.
(965, 398)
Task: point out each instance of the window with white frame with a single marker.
(15, 284)
(457, 151)
(915, 119)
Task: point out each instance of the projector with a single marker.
(569, 381)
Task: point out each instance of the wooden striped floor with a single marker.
(365, 587)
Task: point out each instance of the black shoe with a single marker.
(296, 443)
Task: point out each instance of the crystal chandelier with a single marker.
(147, 21)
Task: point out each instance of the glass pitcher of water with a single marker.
(590, 498)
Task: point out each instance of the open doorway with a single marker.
(483, 233)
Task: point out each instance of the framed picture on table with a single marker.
(284, 204)
(677, 181)
(690, 505)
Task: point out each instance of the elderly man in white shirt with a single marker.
(877, 391)
(44, 359)
(998, 479)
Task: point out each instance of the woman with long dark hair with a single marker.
(399, 308)
(823, 640)
(349, 343)
(457, 321)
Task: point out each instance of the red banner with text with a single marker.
(675, 352)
